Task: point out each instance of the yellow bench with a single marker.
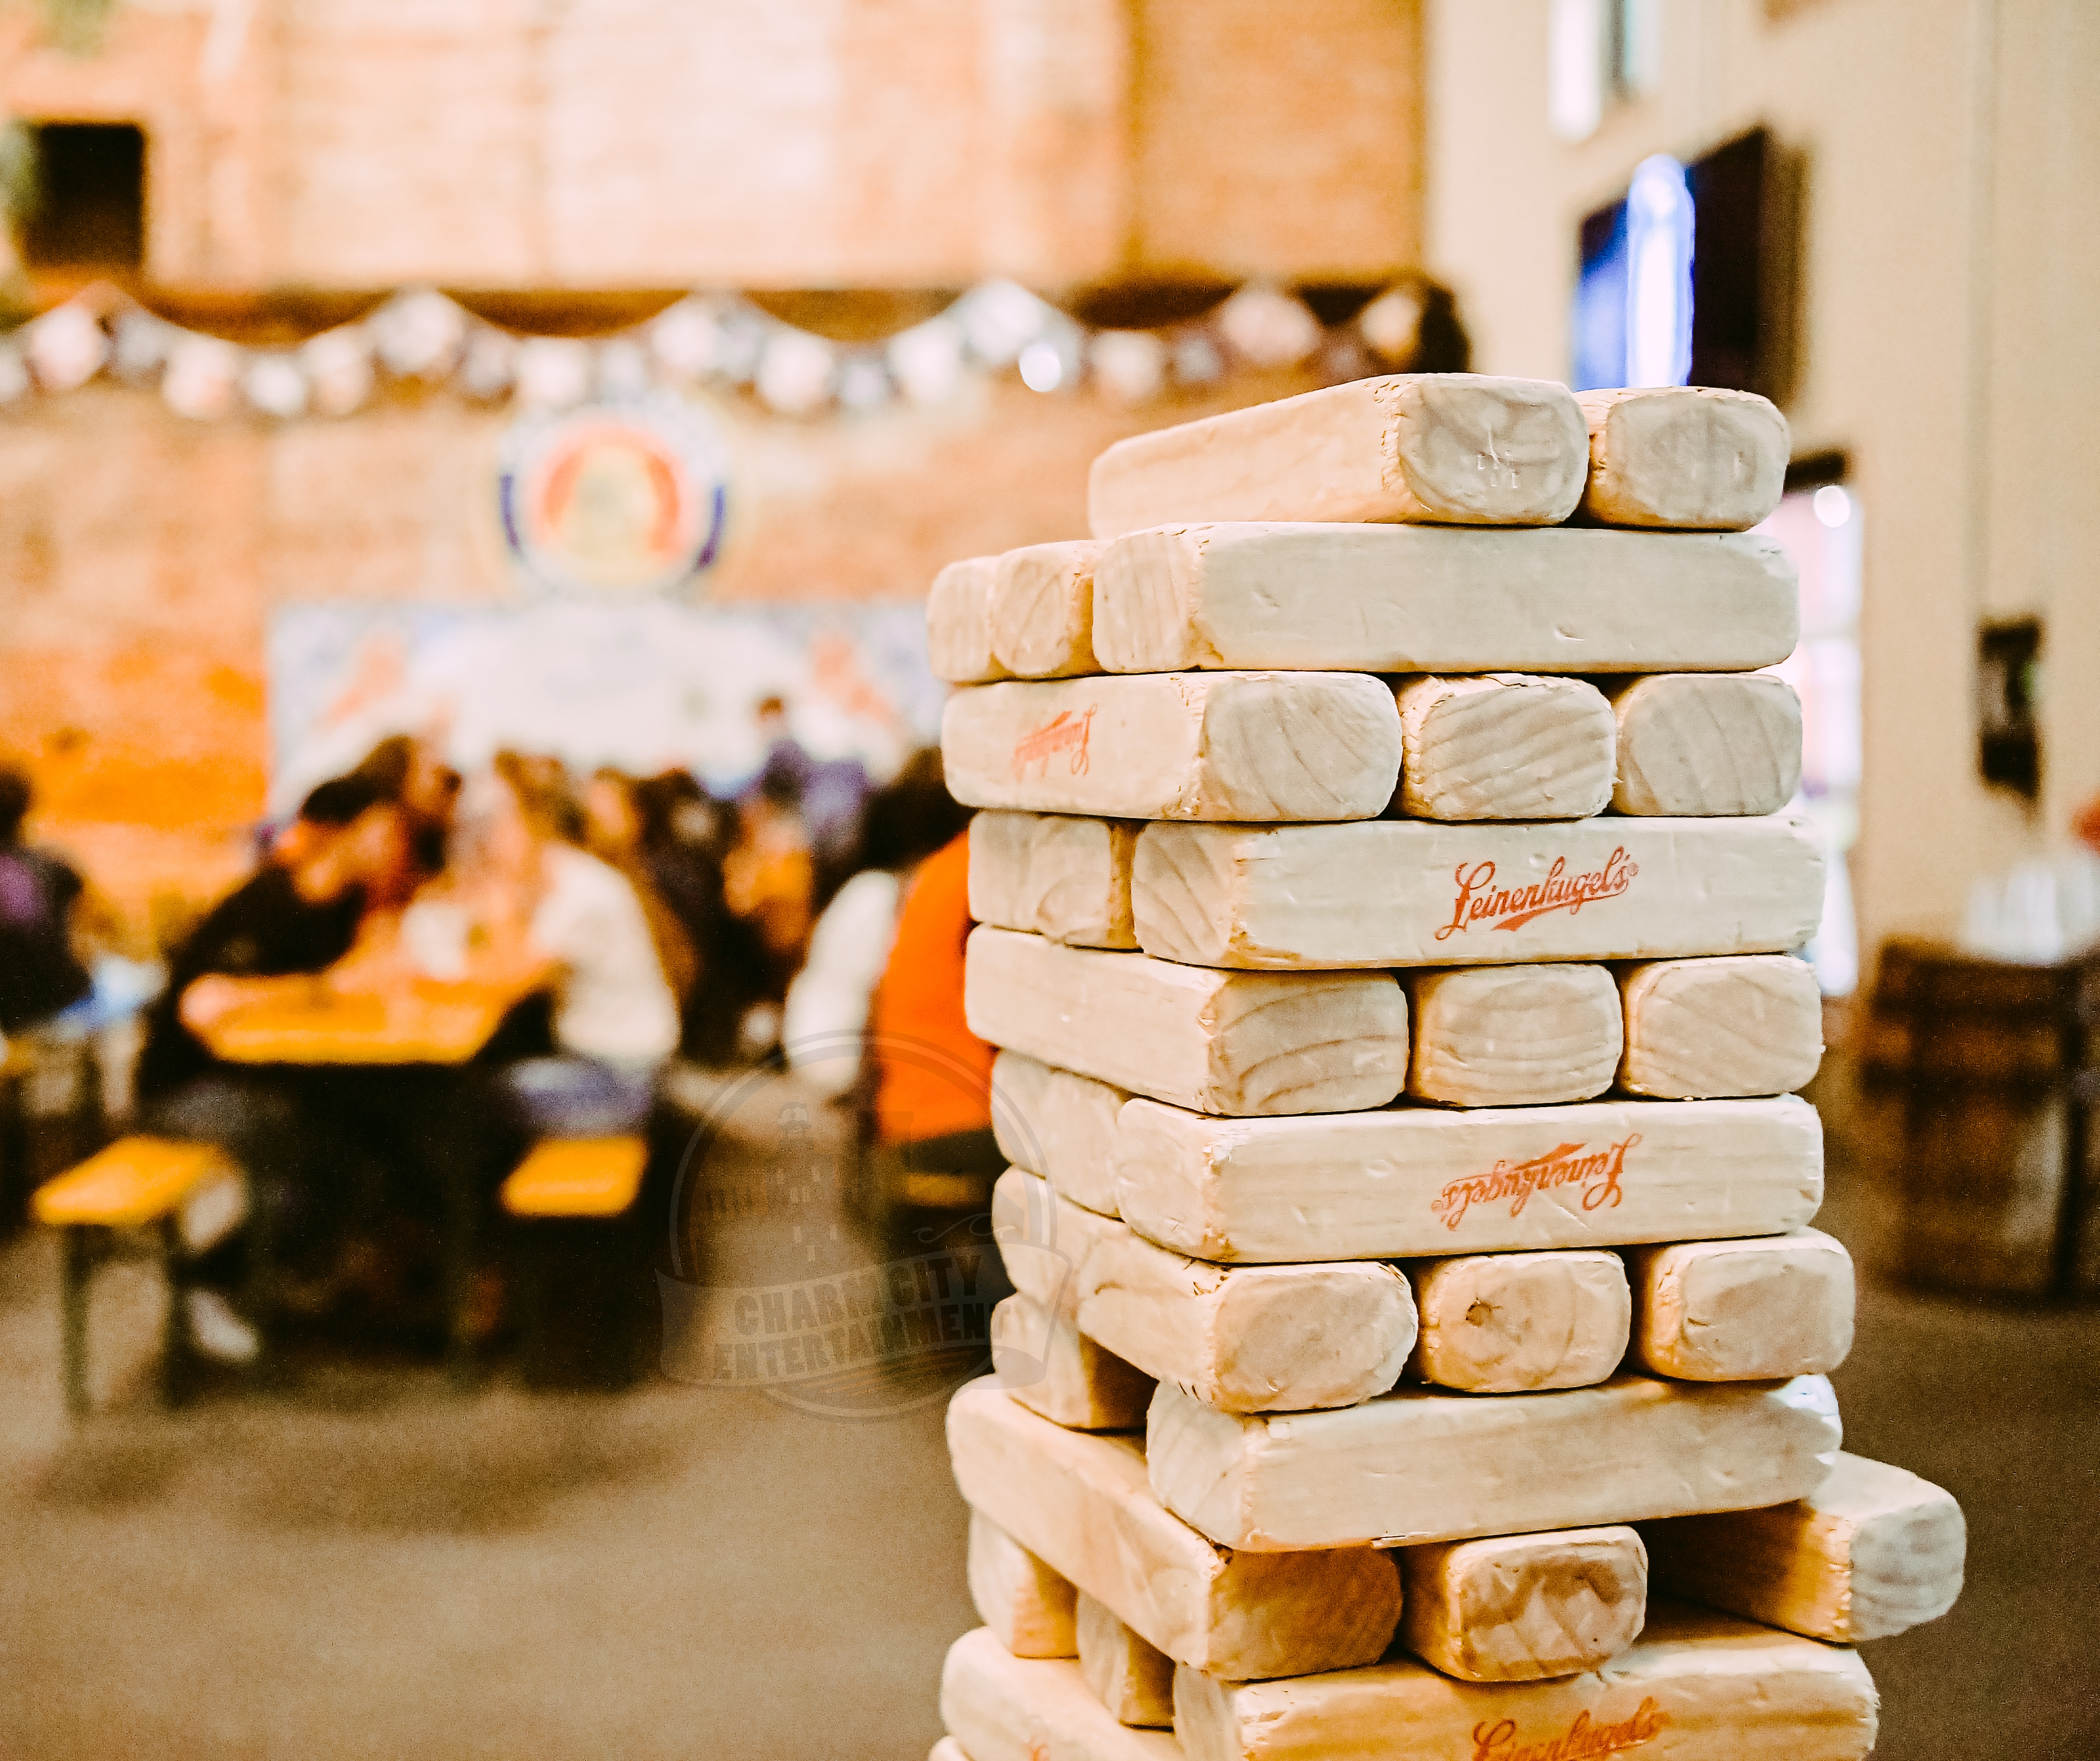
(137, 1182)
(577, 1177)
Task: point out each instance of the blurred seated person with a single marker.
(827, 1013)
(411, 773)
(551, 914)
(769, 878)
(613, 833)
(932, 1110)
(298, 913)
(41, 973)
(683, 834)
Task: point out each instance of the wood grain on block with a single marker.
(1691, 457)
(958, 624)
(1081, 1503)
(1872, 1552)
(1042, 610)
(1422, 1465)
(1058, 876)
(1059, 1125)
(1743, 1311)
(1696, 1686)
(1460, 447)
(1230, 1043)
(1052, 1368)
(1513, 1036)
(1512, 1323)
(1251, 746)
(1411, 893)
(1411, 1182)
(1746, 1024)
(1131, 1677)
(1029, 1606)
(1249, 1339)
(1045, 1240)
(1426, 599)
(1505, 746)
(1706, 744)
(1521, 1607)
(1000, 1707)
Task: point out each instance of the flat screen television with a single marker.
(1738, 277)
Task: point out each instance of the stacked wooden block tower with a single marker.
(1383, 900)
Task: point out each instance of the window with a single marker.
(84, 196)
(1821, 526)
(1600, 52)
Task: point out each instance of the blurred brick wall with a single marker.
(606, 143)
(142, 555)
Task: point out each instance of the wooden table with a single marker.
(304, 1020)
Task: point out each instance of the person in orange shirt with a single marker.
(932, 1111)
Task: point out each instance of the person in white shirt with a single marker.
(553, 914)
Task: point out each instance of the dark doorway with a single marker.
(88, 208)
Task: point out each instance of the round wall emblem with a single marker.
(630, 497)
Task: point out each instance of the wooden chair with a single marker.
(128, 1200)
(573, 1200)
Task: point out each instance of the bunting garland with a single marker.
(720, 342)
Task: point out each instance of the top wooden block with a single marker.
(1457, 448)
(1426, 599)
(1691, 457)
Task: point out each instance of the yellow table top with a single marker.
(301, 1021)
(577, 1177)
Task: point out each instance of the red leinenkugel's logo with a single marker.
(1495, 1740)
(1064, 732)
(1480, 901)
(1564, 1165)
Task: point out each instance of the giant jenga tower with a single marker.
(1385, 902)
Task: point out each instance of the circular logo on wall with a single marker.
(629, 498)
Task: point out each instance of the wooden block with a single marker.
(1411, 893)
(1512, 1323)
(1229, 1042)
(1414, 1182)
(1029, 1606)
(1426, 599)
(1505, 746)
(1134, 1679)
(1058, 1125)
(1249, 1339)
(1743, 1311)
(1690, 457)
(1066, 878)
(1045, 1240)
(1080, 1502)
(1522, 1608)
(1746, 1024)
(1513, 1036)
(1411, 1182)
(1421, 1465)
(1053, 1369)
(1256, 746)
(1460, 447)
(998, 1707)
(1872, 1552)
(1703, 745)
(958, 624)
(1697, 1686)
(1042, 610)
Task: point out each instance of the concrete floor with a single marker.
(368, 1567)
